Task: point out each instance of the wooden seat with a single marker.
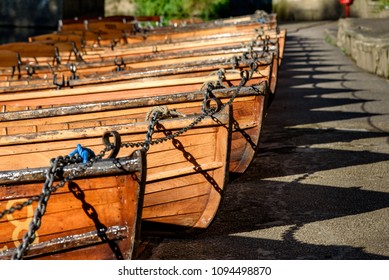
(9, 58)
(9, 63)
(32, 52)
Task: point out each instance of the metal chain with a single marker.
(149, 135)
(40, 210)
(19, 206)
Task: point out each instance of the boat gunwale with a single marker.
(104, 167)
(129, 128)
(182, 97)
(262, 59)
(71, 242)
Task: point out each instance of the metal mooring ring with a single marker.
(212, 105)
(115, 145)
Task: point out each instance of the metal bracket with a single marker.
(73, 69)
(59, 84)
(211, 104)
(57, 56)
(30, 70)
(120, 66)
(76, 51)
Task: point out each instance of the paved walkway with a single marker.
(319, 185)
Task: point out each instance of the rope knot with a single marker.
(163, 112)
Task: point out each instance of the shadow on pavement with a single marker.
(261, 200)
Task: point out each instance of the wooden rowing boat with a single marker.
(150, 47)
(113, 32)
(185, 176)
(244, 118)
(95, 216)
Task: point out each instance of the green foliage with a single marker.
(384, 4)
(281, 9)
(206, 9)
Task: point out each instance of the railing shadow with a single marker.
(272, 211)
(91, 213)
(261, 200)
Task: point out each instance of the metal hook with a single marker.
(221, 76)
(73, 69)
(211, 104)
(30, 70)
(253, 68)
(120, 66)
(57, 56)
(234, 62)
(59, 85)
(115, 145)
(113, 44)
(245, 76)
(76, 51)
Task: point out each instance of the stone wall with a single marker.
(367, 9)
(367, 42)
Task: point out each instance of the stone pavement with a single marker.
(318, 187)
